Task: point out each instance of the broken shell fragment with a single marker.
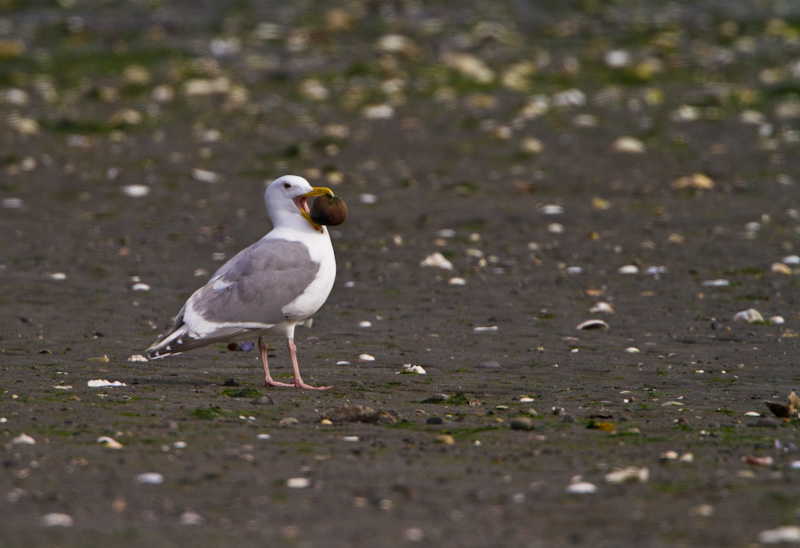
(329, 210)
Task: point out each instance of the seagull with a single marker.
(265, 289)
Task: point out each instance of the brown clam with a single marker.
(328, 210)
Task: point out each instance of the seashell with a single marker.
(109, 443)
(698, 181)
(552, 209)
(136, 191)
(719, 282)
(103, 383)
(758, 461)
(628, 269)
(57, 520)
(791, 260)
(437, 260)
(150, 478)
(579, 487)
(783, 534)
(603, 307)
(413, 369)
(191, 518)
(457, 281)
(298, 483)
(631, 473)
(751, 315)
(328, 210)
(592, 324)
(629, 145)
(23, 439)
(780, 268)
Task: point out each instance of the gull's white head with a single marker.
(286, 199)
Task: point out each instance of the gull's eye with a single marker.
(287, 185)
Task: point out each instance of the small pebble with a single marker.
(434, 421)
(521, 423)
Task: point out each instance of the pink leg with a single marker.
(262, 346)
(298, 380)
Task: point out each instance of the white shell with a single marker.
(57, 520)
(581, 488)
(628, 269)
(298, 483)
(437, 260)
(592, 324)
(103, 383)
(150, 478)
(631, 473)
(603, 307)
(23, 439)
(751, 315)
(109, 443)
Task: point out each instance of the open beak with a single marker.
(302, 203)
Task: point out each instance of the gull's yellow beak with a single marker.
(302, 203)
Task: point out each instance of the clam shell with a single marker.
(329, 210)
